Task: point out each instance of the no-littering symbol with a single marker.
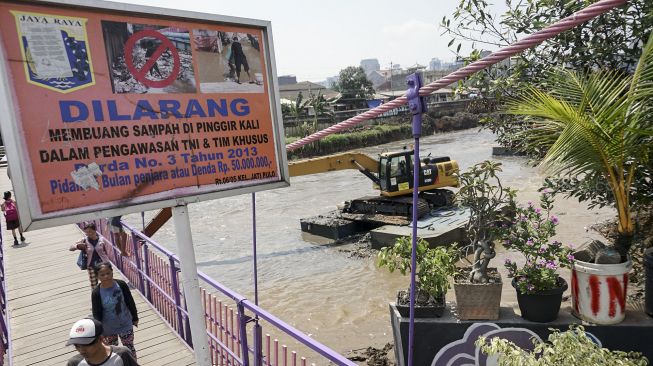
(140, 74)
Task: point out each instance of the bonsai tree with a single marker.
(434, 265)
(572, 347)
(482, 192)
(595, 124)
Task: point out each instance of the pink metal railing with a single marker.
(5, 336)
(154, 271)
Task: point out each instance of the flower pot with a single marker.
(478, 301)
(598, 291)
(648, 285)
(431, 308)
(542, 306)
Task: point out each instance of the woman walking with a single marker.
(114, 306)
(96, 248)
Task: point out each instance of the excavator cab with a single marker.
(396, 173)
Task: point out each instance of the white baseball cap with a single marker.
(84, 332)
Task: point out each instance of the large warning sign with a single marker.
(106, 113)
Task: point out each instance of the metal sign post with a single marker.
(417, 107)
(191, 286)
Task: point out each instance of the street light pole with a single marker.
(390, 76)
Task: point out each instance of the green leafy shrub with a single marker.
(530, 234)
(434, 265)
(572, 347)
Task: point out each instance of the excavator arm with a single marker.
(359, 161)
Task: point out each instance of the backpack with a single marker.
(11, 213)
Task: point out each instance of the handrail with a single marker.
(223, 289)
(5, 342)
(236, 336)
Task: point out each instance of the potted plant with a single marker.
(538, 285)
(572, 347)
(596, 125)
(434, 268)
(478, 289)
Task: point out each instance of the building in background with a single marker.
(287, 79)
(435, 64)
(370, 65)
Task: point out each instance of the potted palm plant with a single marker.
(538, 285)
(434, 268)
(478, 288)
(572, 347)
(596, 124)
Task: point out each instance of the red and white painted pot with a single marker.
(598, 291)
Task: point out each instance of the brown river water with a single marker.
(340, 301)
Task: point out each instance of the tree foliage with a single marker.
(353, 83)
(597, 123)
(612, 41)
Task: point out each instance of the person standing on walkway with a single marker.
(97, 249)
(239, 59)
(86, 336)
(119, 234)
(114, 306)
(10, 210)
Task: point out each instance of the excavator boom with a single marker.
(358, 161)
(392, 174)
(331, 163)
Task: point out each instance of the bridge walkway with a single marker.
(47, 293)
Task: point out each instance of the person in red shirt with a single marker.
(10, 211)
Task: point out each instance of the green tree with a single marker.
(612, 41)
(353, 83)
(598, 123)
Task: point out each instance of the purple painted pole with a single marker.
(417, 106)
(258, 336)
(254, 249)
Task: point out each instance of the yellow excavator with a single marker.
(391, 174)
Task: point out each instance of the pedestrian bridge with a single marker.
(43, 293)
(47, 294)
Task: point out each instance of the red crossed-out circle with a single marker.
(140, 74)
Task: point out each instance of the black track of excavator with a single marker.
(390, 206)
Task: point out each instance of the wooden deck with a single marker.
(48, 293)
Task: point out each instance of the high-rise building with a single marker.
(370, 64)
(435, 64)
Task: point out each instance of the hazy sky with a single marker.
(316, 39)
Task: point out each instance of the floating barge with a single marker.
(439, 227)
